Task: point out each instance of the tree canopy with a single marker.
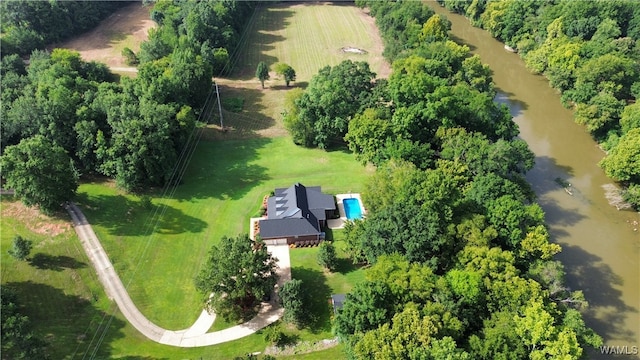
(40, 172)
(262, 72)
(18, 339)
(286, 71)
(236, 276)
(587, 50)
(333, 97)
(461, 263)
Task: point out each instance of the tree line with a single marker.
(590, 52)
(461, 264)
(30, 25)
(133, 130)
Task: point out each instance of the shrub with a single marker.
(274, 336)
(130, 57)
(327, 256)
(21, 248)
(292, 301)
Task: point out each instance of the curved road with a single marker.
(197, 334)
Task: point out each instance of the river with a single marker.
(601, 245)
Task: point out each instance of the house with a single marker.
(297, 214)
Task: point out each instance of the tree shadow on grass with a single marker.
(123, 216)
(70, 324)
(248, 121)
(223, 170)
(317, 296)
(56, 263)
(294, 84)
(261, 37)
(345, 266)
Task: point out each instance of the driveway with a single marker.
(197, 334)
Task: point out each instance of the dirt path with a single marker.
(194, 336)
(127, 27)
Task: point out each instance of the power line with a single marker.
(170, 187)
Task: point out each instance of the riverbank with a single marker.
(600, 247)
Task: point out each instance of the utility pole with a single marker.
(219, 105)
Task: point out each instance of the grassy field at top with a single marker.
(309, 37)
(305, 36)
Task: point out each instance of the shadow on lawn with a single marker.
(246, 122)
(223, 170)
(56, 263)
(126, 217)
(317, 296)
(269, 19)
(70, 324)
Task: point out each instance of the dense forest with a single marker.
(31, 25)
(134, 130)
(64, 118)
(461, 266)
(590, 52)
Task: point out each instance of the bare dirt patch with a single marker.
(353, 50)
(376, 51)
(34, 220)
(127, 27)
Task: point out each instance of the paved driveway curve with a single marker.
(194, 336)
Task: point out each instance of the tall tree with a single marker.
(411, 336)
(333, 97)
(262, 72)
(327, 257)
(623, 162)
(286, 71)
(238, 274)
(367, 306)
(41, 173)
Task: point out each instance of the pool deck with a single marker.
(339, 223)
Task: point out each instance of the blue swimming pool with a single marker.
(352, 208)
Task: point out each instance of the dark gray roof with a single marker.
(295, 211)
(287, 228)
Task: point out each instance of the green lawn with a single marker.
(309, 37)
(57, 286)
(305, 36)
(319, 284)
(158, 257)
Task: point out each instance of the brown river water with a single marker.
(601, 245)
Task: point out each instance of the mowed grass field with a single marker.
(305, 36)
(308, 37)
(56, 286)
(158, 257)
